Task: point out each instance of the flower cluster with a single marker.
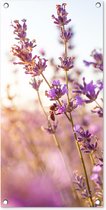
(98, 110)
(66, 34)
(36, 84)
(39, 66)
(56, 91)
(96, 175)
(98, 60)
(33, 65)
(20, 30)
(51, 128)
(61, 18)
(80, 185)
(85, 138)
(65, 107)
(66, 63)
(90, 90)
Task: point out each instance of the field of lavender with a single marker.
(53, 156)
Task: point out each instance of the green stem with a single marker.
(75, 135)
(46, 80)
(42, 105)
(92, 159)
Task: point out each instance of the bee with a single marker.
(53, 108)
(52, 115)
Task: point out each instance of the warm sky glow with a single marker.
(88, 27)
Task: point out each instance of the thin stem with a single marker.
(46, 80)
(42, 105)
(98, 104)
(68, 99)
(82, 161)
(92, 158)
(56, 141)
(75, 135)
(78, 147)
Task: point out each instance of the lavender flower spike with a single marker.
(20, 30)
(40, 66)
(80, 185)
(97, 60)
(90, 90)
(57, 90)
(61, 18)
(85, 139)
(66, 63)
(66, 35)
(36, 84)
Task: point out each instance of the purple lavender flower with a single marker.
(82, 134)
(61, 109)
(90, 90)
(98, 111)
(66, 35)
(80, 186)
(100, 84)
(22, 53)
(79, 101)
(66, 63)
(52, 127)
(56, 91)
(97, 175)
(40, 66)
(33, 65)
(98, 60)
(20, 30)
(61, 18)
(64, 107)
(85, 138)
(36, 84)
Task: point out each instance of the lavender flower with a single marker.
(40, 66)
(61, 18)
(33, 65)
(20, 30)
(90, 90)
(67, 63)
(96, 175)
(64, 107)
(80, 186)
(79, 101)
(56, 91)
(98, 111)
(22, 53)
(85, 139)
(52, 127)
(100, 84)
(36, 84)
(66, 35)
(98, 60)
